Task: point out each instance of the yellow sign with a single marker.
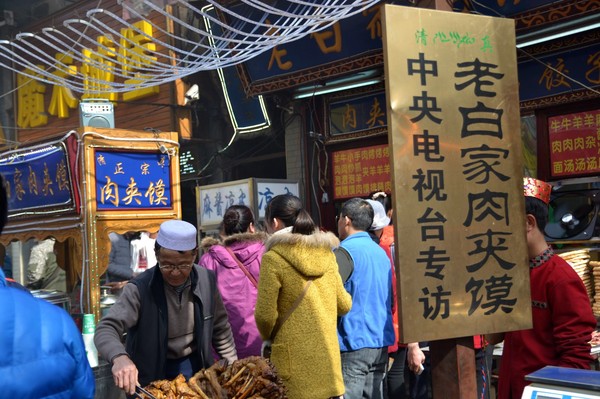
(457, 167)
(136, 52)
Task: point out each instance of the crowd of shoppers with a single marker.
(280, 293)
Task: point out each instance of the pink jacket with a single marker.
(238, 292)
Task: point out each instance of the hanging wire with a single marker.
(125, 64)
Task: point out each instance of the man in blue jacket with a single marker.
(367, 330)
(43, 355)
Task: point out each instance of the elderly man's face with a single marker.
(176, 266)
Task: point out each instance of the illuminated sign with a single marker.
(255, 193)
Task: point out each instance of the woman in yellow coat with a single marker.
(305, 348)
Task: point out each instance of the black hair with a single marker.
(3, 204)
(288, 208)
(538, 209)
(360, 213)
(237, 219)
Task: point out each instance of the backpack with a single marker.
(345, 262)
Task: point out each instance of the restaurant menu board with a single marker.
(457, 168)
(574, 144)
(361, 171)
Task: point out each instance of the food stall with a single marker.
(81, 187)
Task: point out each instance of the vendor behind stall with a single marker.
(173, 315)
(43, 271)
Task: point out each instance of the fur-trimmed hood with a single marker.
(229, 241)
(248, 247)
(304, 251)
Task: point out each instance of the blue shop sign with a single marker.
(542, 79)
(500, 8)
(348, 38)
(37, 180)
(132, 180)
(356, 114)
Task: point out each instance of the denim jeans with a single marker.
(363, 371)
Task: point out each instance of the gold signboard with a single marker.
(453, 113)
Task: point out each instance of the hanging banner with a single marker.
(455, 145)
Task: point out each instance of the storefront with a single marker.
(82, 187)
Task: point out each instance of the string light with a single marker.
(262, 26)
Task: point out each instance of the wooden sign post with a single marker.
(457, 166)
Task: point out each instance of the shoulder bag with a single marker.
(241, 265)
(267, 348)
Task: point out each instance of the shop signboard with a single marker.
(361, 171)
(574, 142)
(359, 113)
(214, 199)
(356, 38)
(266, 189)
(38, 180)
(453, 112)
(560, 72)
(132, 180)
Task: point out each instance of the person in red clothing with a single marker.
(562, 316)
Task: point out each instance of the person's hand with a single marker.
(116, 285)
(415, 357)
(125, 374)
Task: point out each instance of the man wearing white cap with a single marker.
(173, 315)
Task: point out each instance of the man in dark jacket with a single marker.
(173, 315)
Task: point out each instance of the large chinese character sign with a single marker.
(453, 113)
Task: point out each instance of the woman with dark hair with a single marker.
(236, 263)
(300, 296)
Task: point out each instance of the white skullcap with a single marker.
(380, 219)
(177, 235)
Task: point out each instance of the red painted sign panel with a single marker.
(574, 144)
(360, 171)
